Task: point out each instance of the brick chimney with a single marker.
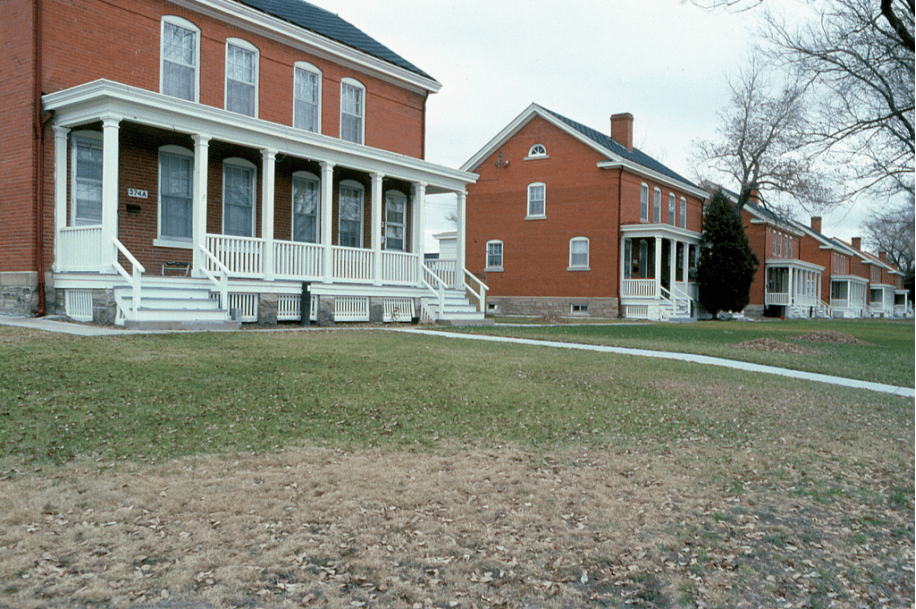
(882, 256)
(816, 223)
(857, 243)
(622, 129)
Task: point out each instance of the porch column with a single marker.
(461, 215)
(791, 284)
(199, 202)
(375, 228)
(685, 264)
(60, 189)
(419, 223)
(623, 267)
(658, 268)
(672, 266)
(327, 204)
(110, 127)
(269, 164)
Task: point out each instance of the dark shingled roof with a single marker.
(327, 24)
(636, 156)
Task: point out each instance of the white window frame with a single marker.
(672, 209)
(502, 251)
(305, 176)
(170, 240)
(683, 219)
(307, 67)
(578, 309)
(644, 202)
(572, 265)
(245, 164)
(657, 206)
(537, 151)
(402, 199)
(543, 214)
(351, 82)
(94, 140)
(362, 211)
(246, 46)
(187, 25)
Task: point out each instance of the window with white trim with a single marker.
(350, 221)
(176, 189)
(775, 241)
(538, 150)
(352, 110)
(672, 209)
(241, 77)
(657, 207)
(683, 218)
(395, 215)
(179, 73)
(306, 205)
(578, 308)
(494, 255)
(86, 179)
(307, 97)
(239, 178)
(537, 200)
(578, 253)
(644, 202)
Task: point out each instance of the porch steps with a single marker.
(172, 307)
(458, 311)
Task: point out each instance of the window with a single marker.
(307, 97)
(672, 209)
(683, 218)
(395, 207)
(241, 77)
(780, 245)
(178, 74)
(537, 200)
(86, 165)
(494, 255)
(176, 186)
(351, 214)
(775, 250)
(644, 203)
(306, 198)
(238, 197)
(578, 308)
(352, 110)
(790, 246)
(657, 207)
(536, 151)
(578, 253)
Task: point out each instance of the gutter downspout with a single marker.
(39, 160)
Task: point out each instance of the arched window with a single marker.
(176, 188)
(537, 200)
(644, 202)
(350, 222)
(657, 207)
(683, 218)
(242, 77)
(239, 178)
(494, 255)
(672, 209)
(307, 97)
(179, 69)
(538, 150)
(578, 253)
(306, 207)
(352, 110)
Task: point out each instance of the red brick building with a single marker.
(567, 220)
(162, 153)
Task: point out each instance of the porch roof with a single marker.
(849, 278)
(104, 99)
(794, 263)
(665, 231)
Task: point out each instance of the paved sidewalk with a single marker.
(50, 324)
(684, 357)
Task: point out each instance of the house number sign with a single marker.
(136, 192)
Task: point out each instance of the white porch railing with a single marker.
(444, 269)
(299, 260)
(133, 279)
(839, 303)
(400, 268)
(352, 264)
(243, 256)
(80, 248)
(480, 294)
(639, 288)
(778, 298)
(436, 285)
(219, 275)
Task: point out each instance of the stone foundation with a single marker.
(325, 310)
(18, 294)
(540, 306)
(267, 309)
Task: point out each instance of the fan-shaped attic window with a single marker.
(537, 151)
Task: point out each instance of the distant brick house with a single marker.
(566, 220)
(170, 161)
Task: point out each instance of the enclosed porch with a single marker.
(793, 289)
(658, 273)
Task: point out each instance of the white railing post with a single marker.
(375, 228)
(60, 191)
(199, 202)
(327, 205)
(460, 229)
(134, 278)
(110, 126)
(419, 224)
(269, 158)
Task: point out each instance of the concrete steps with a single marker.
(172, 307)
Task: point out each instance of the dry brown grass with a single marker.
(651, 526)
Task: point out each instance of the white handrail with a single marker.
(440, 284)
(482, 296)
(134, 279)
(223, 282)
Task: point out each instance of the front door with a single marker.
(395, 207)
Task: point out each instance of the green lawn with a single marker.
(161, 396)
(888, 358)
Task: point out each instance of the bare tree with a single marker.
(892, 231)
(760, 148)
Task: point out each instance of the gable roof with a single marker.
(325, 23)
(616, 153)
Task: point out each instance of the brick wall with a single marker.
(757, 237)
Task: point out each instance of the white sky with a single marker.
(664, 61)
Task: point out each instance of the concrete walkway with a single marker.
(49, 324)
(683, 357)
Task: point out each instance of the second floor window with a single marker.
(644, 203)
(537, 200)
(307, 98)
(672, 210)
(180, 54)
(683, 218)
(241, 77)
(352, 110)
(657, 207)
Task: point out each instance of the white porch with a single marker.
(658, 272)
(881, 300)
(848, 296)
(795, 285)
(92, 255)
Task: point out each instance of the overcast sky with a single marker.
(664, 61)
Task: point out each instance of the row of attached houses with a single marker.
(216, 161)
